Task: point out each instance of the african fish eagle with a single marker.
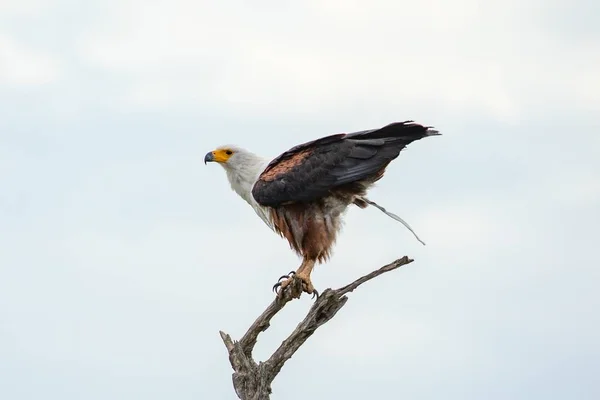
(303, 193)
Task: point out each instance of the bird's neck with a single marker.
(242, 179)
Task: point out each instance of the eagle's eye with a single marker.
(228, 152)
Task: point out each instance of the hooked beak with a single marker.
(209, 157)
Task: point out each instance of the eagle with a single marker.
(303, 194)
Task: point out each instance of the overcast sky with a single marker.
(122, 255)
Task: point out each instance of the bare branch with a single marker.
(386, 268)
(227, 340)
(324, 308)
(262, 323)
(252, 380)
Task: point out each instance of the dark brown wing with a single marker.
(311, 170)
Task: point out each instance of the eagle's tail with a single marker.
(391, 215)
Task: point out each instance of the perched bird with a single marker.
(303, 193)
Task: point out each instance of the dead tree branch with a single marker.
(252, 380)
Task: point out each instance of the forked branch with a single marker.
(251, 380)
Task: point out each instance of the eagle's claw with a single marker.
(275, 286)
(306, 285)
(292, 273)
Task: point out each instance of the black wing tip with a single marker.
(427, 130)
(430, 131)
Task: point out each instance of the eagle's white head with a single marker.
(242, 168)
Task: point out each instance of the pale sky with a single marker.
(122, 255)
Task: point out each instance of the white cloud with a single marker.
(472, 226)
(392, 331)
(22, 7)
(322, 55)
(20, 65)
(577, 189)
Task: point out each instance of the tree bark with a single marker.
(252, 380)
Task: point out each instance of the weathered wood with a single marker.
(251, 380)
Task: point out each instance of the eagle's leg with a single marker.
(302, 274)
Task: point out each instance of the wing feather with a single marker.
(312, 170)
